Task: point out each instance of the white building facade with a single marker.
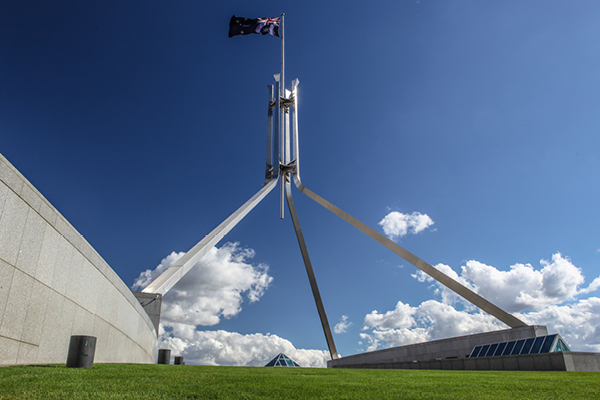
(53, 285)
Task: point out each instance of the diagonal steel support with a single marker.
(309, 270)
(439, 276)
(175, 272)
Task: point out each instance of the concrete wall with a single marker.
(53, 285)
(456, 347)
(560, 361)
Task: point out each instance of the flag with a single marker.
(246, 26)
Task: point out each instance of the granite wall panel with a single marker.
(53, 284)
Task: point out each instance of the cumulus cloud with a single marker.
(343, 325)
(397, 224)
(578, 323)
(429, 321)
(592, 288)
(230, 348)
(214, 288)
(536, 296)
(520, 288)
(447, 295)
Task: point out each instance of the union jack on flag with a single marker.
(246, 26)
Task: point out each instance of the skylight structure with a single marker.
(281, 360)
(536, 345)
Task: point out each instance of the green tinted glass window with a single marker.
(561, 346)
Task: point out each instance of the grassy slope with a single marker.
(127, 381)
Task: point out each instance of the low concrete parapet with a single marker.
(450, 348)
(576, 361)
(559, 361)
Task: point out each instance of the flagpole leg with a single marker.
(309, 270)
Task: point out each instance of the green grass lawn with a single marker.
(132, 381)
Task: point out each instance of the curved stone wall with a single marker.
(53, 285)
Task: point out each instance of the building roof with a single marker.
(281, 360)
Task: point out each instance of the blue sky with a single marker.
(145, 126)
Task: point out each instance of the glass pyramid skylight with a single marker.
(281, 360)
(536, 345)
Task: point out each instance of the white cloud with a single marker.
(230, 348)
(592, 288)
(400, 317)
(538, 294)
(578, 323)
(343, 325)
(448, 296)
(520, 288)
(397, 224)
(213, 289)
(429, 321)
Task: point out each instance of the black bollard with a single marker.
(179, 360)
(164, 356)
(81, 352)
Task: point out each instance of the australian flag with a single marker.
(246, 26)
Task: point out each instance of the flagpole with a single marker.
(282, 87)
(282, 114)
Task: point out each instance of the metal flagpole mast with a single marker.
(281, 113)
(282, 87)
